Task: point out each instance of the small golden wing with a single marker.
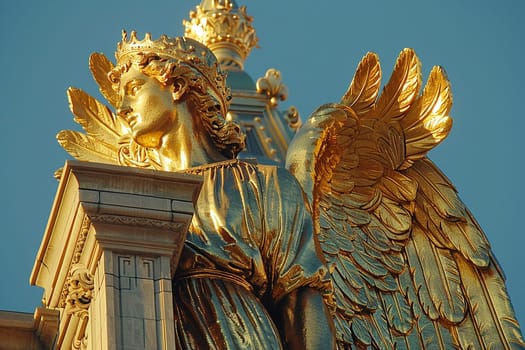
(107, 138)
(404, 249)
(87, 148)
(100, 67)
(95, 118)
(104, 130)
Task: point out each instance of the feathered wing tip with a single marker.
(362, 91)
(401, 90)
(428, 122)
(100, 67)
(424, 119)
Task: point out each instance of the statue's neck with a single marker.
(185, 147)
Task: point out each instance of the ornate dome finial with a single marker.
(225, 28)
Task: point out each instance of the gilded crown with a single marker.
(184, 50)
(225, 28)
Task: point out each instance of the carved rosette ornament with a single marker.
(225, 28)
(80, 291)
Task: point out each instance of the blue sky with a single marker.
(316, 46)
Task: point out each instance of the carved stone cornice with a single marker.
(137, 222)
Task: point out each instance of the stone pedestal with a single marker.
(109, 253)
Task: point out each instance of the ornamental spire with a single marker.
(225, 28)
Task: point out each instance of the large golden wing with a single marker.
(107, 136)
(411, 267)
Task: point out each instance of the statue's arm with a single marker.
(305, 320)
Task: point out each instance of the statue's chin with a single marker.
(149, 140)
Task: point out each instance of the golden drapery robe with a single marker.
(249, 245)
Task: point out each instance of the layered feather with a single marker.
(100, 67)
(362, 91)
(95, 118)
(87, 148)
(427, 123)
(401, 90)
(490, 307)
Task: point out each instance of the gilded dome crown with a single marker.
(225, 28)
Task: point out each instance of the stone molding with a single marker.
(20, 330)
(101, 210)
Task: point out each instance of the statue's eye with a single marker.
(133, 87)
(134, 90)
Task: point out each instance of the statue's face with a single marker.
(147, 106)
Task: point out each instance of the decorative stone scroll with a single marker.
(80, 291)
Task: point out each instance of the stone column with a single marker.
(109, 253)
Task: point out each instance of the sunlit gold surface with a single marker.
(407, 266)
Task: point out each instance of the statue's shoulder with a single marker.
(278, 178)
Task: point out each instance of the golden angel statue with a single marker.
(360, 243)
(250, 251)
